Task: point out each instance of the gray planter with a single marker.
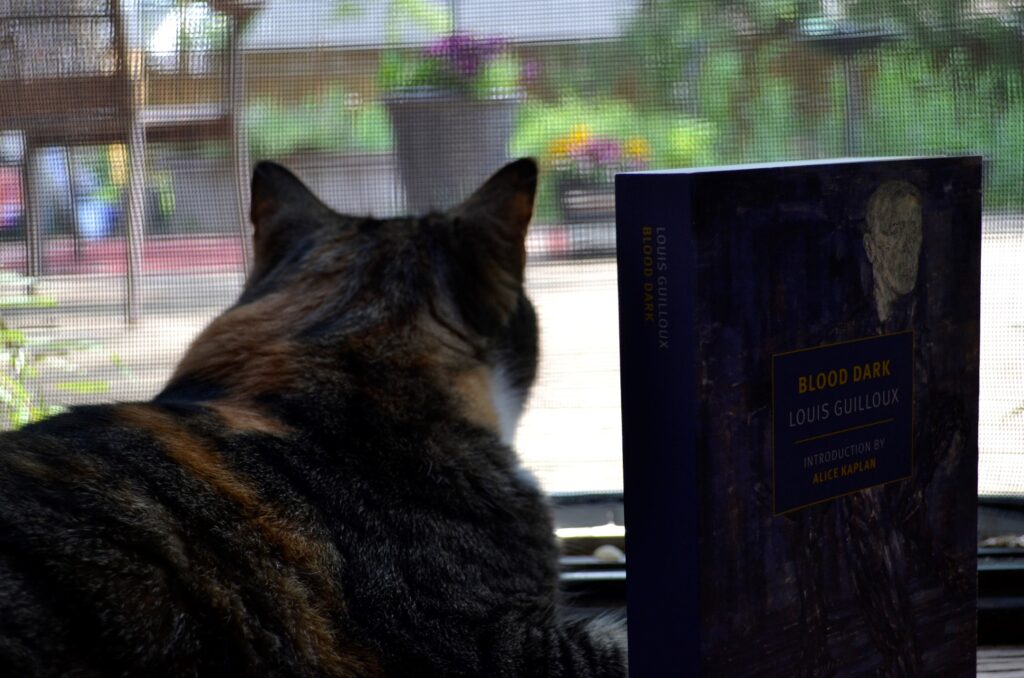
(446, 144)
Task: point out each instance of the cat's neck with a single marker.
(240, 368)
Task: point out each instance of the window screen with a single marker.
(127, 130)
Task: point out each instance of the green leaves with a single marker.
(332, 121)
(84, 387)
(28, 360)
(399, 70)
(478, 67)
(26, 301)
(498, 77)
(433, 17)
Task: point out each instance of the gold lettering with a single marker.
(872, 370)
(822, 380)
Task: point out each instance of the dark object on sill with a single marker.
(587, 546)
(1000, 596)
(590, 583)
(1014, 543)
(576, 498)
(1000, 516)
(580, 519)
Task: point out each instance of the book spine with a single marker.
(658, 361)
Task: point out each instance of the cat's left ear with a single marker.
(490, 244)
(280, 201)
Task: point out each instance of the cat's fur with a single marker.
(322, 488)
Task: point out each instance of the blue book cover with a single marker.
(799, 361)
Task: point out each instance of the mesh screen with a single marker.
(128, 129)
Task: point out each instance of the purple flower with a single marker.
(530, 71)
(605, 152)
(597, 153)
(463, 55)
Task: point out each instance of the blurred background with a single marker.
(127, 129)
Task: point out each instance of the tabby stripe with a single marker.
(98, 521)
(244, 419)
(251, 333)
(312, 630)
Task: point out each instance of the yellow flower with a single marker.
(638, 148)
(578, 136)
(559, 148)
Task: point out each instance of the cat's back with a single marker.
(134, 542)
(169, 539)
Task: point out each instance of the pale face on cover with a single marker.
(892, 241)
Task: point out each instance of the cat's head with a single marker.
(440, 293)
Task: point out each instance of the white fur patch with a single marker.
(507, 403)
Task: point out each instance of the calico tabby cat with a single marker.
(325, 485)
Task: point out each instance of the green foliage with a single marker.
(714, 83)
(25, 358)
(688, 143)
(668, 37)
(474, 67)
(674, 140)
(664, 38)
(910, 105)
(498, 77)
(162, 184)
(541, 123)
(12, 301)
(951, 81)
(433, 17)
(398, 70)
(917, 108)
(370, 128)
(583, 70)
(331, 122)
(950, 30)
(84, 387)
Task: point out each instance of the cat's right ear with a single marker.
(490, 245)
(279, 198)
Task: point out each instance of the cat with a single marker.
(324, 487)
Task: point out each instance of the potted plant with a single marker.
(452, 107)
(582, 165)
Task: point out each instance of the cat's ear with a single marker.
(490, 244)
(279, 198)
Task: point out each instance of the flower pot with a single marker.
(447, 144)
(582, 200)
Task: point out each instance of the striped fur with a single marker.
(322, 488)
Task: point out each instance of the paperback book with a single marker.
(799, 361)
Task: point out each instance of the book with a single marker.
(799, 373)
